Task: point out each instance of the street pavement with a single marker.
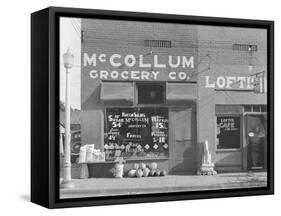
(114, 186)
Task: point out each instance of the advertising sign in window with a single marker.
(228, 132)
(136, 132)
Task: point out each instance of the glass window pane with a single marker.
(136, 132)
(228, 132)
(263, 108)
(150, 94)
(247, 108)
(256, 108)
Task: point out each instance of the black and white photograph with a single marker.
(140, 108)
(155, 107)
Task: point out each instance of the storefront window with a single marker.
(263, 108)
(150, 94)
(136, 132)
(248, 108)
(228, 132)
(256, 108)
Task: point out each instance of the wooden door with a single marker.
(182, 132)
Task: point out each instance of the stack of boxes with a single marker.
(88, 154)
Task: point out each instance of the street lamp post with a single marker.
(68, 59)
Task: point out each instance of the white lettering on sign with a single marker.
(208, 83)
(103, 74)
(126, 75)
(220, 82)
(135, 75)
(177, 64)
(229, 82)
(116, 60)
(130, 60)
(142, 64)
(137, 61)
(114, 74)
(102, 57)
(93, 74)
(155, 74)
(241, 81)
(172, 75)
(112, 62)
(90, 61)
(156, 64)
(182, 75)
(228, 124)
(188, 63)
(250, 81)
(145, 75)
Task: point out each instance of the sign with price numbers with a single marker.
(136, 132)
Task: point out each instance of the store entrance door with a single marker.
(256, 141)
(182, 128)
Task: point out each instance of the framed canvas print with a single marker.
(138, 107)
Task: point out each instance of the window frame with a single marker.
(261, 106)
(136, 101)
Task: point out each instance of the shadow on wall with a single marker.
(224, 161)
(93, 102)
(184, 163)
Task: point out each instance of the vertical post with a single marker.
(67, 183)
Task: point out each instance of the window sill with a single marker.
(229, 150)
(146, 158)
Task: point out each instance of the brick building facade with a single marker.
(180, 85)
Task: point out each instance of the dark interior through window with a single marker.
(150, 94)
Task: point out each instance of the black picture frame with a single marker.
(45, 106)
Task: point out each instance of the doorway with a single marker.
(256, 136)
(182, 129)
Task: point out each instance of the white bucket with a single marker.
(118, 170)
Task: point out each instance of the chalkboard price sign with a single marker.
(136, 132)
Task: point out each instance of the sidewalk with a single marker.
(113, 186)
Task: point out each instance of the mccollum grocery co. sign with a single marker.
(149, 67)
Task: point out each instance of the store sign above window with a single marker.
(148, 67)
(231, 82)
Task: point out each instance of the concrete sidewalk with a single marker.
(113, 186)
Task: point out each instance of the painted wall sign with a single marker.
(118, 51)
(138, 67)
(256, 83)
(229, 82)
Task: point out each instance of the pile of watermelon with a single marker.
(145, 170)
